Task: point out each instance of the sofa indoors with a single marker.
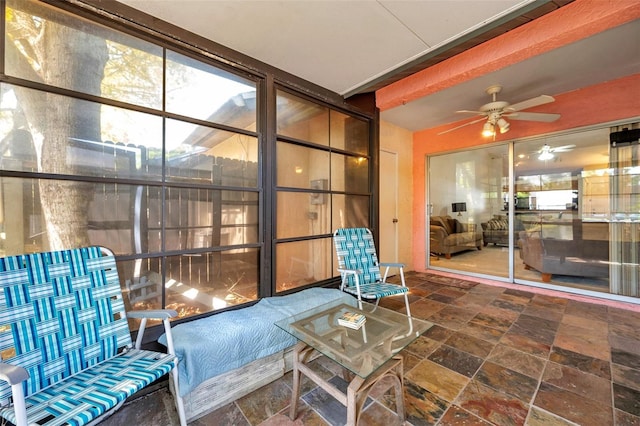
(449, 235)
(496, 230)
(555, 256)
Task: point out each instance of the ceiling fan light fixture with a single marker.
(503, 125)
(494, 110)
(488, 130)
(545, 155)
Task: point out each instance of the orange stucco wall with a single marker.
(602, 103)
(606, 102)
(573, 22)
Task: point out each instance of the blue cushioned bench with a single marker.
(225, 356)
(65, 343)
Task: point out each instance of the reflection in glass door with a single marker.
(572, 217)
(468, 196)
(625, 211)
(562, 190)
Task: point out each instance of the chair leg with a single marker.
(179, 402)
(406, 302)
(360, 302)
(376, 306)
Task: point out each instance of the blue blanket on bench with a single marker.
(219, 343)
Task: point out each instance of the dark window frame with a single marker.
(268, 81)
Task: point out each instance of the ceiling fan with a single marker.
(495, 112)
(546, 152)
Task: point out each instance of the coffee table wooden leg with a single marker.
(299, 354)
(399, 390)
(359, 388)
(295, 394)
(357, 391)
(355, 400)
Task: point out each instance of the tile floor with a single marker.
(494, 356)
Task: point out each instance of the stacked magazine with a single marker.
(352, 320)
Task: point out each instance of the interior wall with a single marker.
(399, 140)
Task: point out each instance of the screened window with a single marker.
(97, 61)
(322, 178)
(113, 139)
(156, 159)
(302, 119)
(57, 134)
(202, 91)
(209, 155)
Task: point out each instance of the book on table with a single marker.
(352, 320)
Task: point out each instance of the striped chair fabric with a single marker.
(356, 251)
(62, 318)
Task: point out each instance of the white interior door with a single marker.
(388, 206)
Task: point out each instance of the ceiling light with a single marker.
(503, 125)
(545, 155)
(487, 130)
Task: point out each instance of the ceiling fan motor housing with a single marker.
(495, 112)
(497, 106)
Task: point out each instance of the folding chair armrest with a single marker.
(345, 272)
(153, 314)
(161, 314)
(348, 271)
(164, 315)
(388, 265)
(12, 374)
(15, 375)
(392, 265)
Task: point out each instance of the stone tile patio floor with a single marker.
(495, 356)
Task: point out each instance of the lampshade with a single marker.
(458, 207)
(545, 155)
(488, 130)
(503, 125)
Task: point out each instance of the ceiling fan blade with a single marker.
(462, 125)
(530, 103)
(563, 148)
(466, 111)
(533, 116)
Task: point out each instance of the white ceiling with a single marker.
(348, 45)
(604, 57)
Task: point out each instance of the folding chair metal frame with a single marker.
(65, 343)
(359, 268)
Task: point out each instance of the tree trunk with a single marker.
(74, 60)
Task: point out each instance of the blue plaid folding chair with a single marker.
(66, 352)
(360, 270)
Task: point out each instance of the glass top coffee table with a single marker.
(369, 352)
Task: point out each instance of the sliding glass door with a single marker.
(570, 213)
(562, 200)
(468, 211)
(624, 169)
